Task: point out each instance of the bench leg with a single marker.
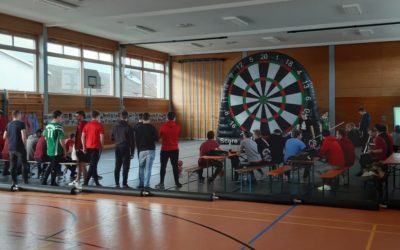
(250, 179)
(281, 177)
(270, 183)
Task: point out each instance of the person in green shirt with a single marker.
(324, 121)
(54, 135)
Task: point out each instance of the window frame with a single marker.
(34, 52)
(142, 70)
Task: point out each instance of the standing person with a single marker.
(54, 135)
(137, 125)
(306, 126)
(169, 136)
(123, 136)
(16, 134)
(92, 142)
(324, 121)
(364, 125)
(146, 138)
(396, 138)
(3, 125)
(82, 158)
(353, 134)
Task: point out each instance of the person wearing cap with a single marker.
(31, 143)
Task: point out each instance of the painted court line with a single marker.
(270, 226)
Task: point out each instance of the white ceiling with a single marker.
(113, 19)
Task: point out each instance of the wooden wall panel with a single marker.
(135, 51)
(380, 109)
(85, 40)
(368, 70)
(18, 25)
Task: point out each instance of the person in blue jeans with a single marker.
(146, 138)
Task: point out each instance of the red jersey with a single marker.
(348, 151)
(92, 131)
(69, 143)
(380, 144)
(208, 146)
(78, 134)
(169, 133)
(3, 125)
(4, 153)
(41, 149)
(332, 151)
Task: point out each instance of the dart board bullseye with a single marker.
(265, 91)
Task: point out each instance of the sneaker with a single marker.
(201, 179)
(117, 186)
(160, 186)
(15, 188)
(126, 186)
(383, 205)
(325, 187)
(73, 183)
(99, 177)
(178, 185)
(368, 174)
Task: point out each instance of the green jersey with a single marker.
(53, 133)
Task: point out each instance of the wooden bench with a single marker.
(247, 171)
(278, 173)
(331, 175)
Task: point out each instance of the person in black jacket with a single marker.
(277, 143)
(146, 138)
(123, 136)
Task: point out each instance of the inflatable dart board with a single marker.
(265, 91)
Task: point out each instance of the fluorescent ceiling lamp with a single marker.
(60, 4)
(142, 29)
(272, 39)
(236, 20)
(198, 45)
(352, 9)
(365, 32)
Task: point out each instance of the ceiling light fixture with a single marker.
(365, 32)
(198, 45)
(60, 4)
(272, 39)
(142, 29)
(352, 9)
(236, 20)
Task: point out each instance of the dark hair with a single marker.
(80, 112)
(296, 133)
(361, 109)
(380, 127)
(1, 112)
(141, 116)
(56, 114)
(278, 131)
(247, 134)
(15, 113)
(397, 128)
(326, 132)
(146, 116)
(124, 115)
(171, 116)
(95, 114)
(342, 132)
(210, 135)
(72, 135)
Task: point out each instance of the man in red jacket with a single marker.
(169, 136)
(347, 148)
(333, 153)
